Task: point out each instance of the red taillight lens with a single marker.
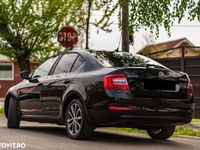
(115, 82)
(190, 110)
(190, 88)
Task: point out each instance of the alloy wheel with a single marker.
(74, 119)
(156, 131)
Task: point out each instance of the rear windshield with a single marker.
(124, 59)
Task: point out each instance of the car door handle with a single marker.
(66, 82)
(40, 84)
(20, 93)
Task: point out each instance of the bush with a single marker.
(1, 111)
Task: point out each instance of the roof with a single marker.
(5, 59)
(165, 45)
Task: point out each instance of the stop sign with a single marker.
(68, 37)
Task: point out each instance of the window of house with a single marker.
(6, 71)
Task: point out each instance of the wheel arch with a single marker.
(68, 98)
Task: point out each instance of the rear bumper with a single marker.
(142, 118)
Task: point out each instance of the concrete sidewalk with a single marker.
(195, 125)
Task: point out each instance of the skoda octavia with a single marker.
(87, 89)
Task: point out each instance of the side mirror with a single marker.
(25, 75)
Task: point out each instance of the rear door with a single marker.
(61, 78)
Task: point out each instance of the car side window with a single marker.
(65, 63)
(79, 61)
(44, 68)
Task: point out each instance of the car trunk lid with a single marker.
(156, 83)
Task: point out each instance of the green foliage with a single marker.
(195, 120)
(1, 112)
(105, 7)
(28, 28)
(188, 131)
(108, 7)
(153, 14)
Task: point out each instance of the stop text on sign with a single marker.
(68, 37)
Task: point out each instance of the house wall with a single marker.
(6, 84)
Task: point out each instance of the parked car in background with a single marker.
(87, 89)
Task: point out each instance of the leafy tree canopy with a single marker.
(151, 14)
(28, 28)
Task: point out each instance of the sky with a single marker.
(110, 41)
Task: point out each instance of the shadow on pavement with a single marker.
(106, 137)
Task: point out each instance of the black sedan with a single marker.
(87, 89)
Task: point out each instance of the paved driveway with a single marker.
(52, 137)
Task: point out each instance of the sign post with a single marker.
(68, 37)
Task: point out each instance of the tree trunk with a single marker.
(88, 23)
(125, 24)
(24, 63)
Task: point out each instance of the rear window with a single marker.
(124, 59)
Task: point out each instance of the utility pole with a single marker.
(88, 23)
(125, 25)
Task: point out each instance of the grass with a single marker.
(1, 112)
(186, 130)
(195, 120)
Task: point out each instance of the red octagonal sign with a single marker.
(68, 37)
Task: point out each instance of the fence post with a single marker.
(183, 59)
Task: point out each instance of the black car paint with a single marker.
(46, 100)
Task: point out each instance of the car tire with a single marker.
(77, 125)
(13, 115)
(162, 133)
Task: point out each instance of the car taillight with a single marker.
(190, 88)
(115, 82)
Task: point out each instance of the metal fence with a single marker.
(190, 65)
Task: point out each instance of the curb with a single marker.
(194, 125)
(187, 137)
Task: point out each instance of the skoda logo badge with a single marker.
(161, 74)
